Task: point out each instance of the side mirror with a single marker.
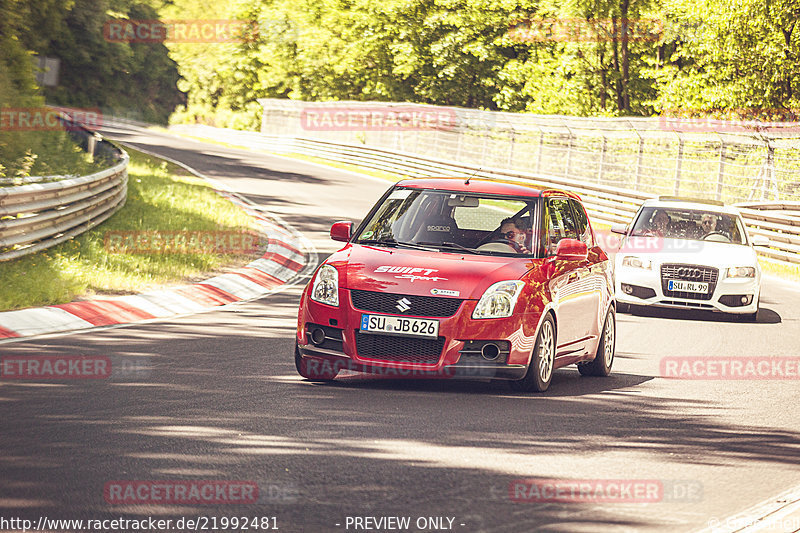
(341, 231)
(571, 249)
(760, 240)
(622, 229)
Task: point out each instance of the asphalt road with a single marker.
(215, 396)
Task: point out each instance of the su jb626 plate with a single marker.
(400, 325)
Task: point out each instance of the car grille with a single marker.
(382, 302)
(689, 273)
(399, 349)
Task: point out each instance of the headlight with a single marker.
(498, 301)
(636, 262)
(741, 272)
(326, 286)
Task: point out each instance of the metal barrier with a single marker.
(37, 215)
(731, 161)
(605, 203)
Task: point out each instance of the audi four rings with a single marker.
(447, 278)
(684, 253)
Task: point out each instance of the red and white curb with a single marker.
(287, 259)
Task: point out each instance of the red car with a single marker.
(463, 279)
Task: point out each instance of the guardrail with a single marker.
(727, 160)
(606, 204)
(36, 216)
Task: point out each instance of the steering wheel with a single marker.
(502, 240)
(712, 233)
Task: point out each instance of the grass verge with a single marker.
(161, 198)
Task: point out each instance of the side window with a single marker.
(560, 223)
(582, 223)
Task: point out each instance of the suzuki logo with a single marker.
(403, 304)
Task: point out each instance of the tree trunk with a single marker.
(615, 49)
(626, 99)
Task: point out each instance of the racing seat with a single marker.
(437, 230)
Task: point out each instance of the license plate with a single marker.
(688, 286)
(400, 325)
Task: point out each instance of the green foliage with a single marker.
(33, 153)
(744, 58)
(115, 76)
(679, 54)
(701, 54)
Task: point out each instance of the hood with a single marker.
(423, 273)
(716, 254)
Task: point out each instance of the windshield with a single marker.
(676, 223)
(451, 222)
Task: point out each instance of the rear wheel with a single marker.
(540, 371)
(316, 371)
(604, 358)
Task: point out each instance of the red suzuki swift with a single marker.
(463, 279)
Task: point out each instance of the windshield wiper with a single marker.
(447, 244)
(386, 242)
(391, 241)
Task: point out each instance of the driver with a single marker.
(661, 223)
(708, 223)
(513, 229)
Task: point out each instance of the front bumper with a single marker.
(637, 286)
(455, 354)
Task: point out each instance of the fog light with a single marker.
(627, 289)
(746, 299)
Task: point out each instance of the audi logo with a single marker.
(689, 273)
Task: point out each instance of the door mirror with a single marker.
(571, 249)
(622, 229)
(341, 231)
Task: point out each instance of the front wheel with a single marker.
(540, 371)
(604, 358)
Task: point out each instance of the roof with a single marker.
(691, 204)
(506, 188)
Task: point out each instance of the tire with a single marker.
(540, 370)
(315, 374)
(604, 358)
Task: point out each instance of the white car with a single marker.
(693, 254)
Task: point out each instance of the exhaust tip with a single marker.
(490, 351)
(317, 336)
